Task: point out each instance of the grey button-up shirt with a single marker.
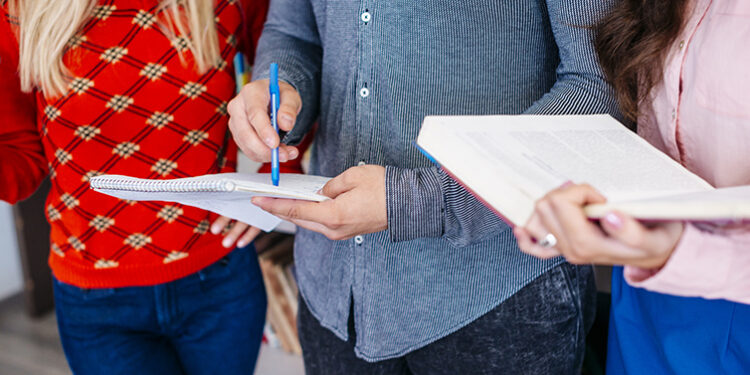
(370, 71)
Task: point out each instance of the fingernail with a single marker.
(293, 153)
(227, 242)
(613, 220)
(241, 243)
(255, 201)
(286, 120)
(216, 229)
(269, 142)
(566, 184)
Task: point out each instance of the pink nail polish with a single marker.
(613, 220)
(566, 184)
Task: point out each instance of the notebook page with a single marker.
(234, 201)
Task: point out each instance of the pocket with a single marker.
(549, 299)
(721, 60)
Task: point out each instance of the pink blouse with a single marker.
(700, 116)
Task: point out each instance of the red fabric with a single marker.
(22, 161)
(136, 107)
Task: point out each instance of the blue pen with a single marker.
(275, 102)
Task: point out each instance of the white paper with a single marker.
(233, 204)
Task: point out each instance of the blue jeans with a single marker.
(210, 322)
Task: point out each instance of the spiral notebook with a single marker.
(226, 194)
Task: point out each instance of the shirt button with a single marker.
(361, 163)
(359, 239)
(365, 17)
(364, 92)
(682, 44)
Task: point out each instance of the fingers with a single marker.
(248, 237)
(290, 106)
(529, 246)
(291, 209)
(233, 234)
(657, 243)
(219, 224)
(250, 122)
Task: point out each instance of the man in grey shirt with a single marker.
(403, 271)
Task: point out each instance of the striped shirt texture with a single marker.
(370, 71)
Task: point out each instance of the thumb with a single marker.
(289, 107)
(337, 186)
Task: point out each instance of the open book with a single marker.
(226, 194)
(509, 162)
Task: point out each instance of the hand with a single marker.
(234, 231)
(357, 205)
(250, 122)
(619, 239)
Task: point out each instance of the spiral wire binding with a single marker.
(162, 186)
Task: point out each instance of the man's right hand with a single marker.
(250, 122)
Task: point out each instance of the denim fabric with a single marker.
(370, 71)
(210, 322)
(540, 330)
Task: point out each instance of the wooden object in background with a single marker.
(276, 259)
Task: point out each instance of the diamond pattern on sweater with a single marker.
(195, 137)
(153, 71)
(114, 54)
(87, 132)
(103, 263)
(80, 85)
(102, 12)
(175, 255)
(193, 89)
(137, 240)
(119, 103)
(144, 19)
(101, 223)
(126, 149)
(159, 119)
(164, 167)
(52, 113)
(133, 108)
(170, 213)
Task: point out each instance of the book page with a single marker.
(510, 161)
(612, 159)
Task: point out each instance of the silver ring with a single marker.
(548, 241)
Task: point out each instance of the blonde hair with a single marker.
(46, 28)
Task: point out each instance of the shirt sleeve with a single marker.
(23, 165)
(704, 264)
(428, 203)
(290, 38)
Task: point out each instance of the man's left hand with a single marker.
(357, 205)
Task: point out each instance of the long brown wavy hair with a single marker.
(632, 43)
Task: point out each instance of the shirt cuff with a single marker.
(414, 200)
(691, 270)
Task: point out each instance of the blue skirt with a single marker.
(654, 333)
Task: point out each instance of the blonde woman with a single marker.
(134, 87)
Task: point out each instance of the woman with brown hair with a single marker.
(140, 88)
(681, 70)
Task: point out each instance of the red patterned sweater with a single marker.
(133, 108)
